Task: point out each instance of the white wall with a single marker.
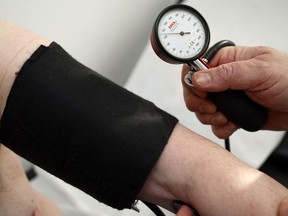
(106, 35)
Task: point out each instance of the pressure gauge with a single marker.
(180, 34)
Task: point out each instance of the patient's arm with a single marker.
(204, 175)
(17, 197)
(17, 44)
(190, 168)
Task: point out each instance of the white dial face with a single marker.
(181, 33)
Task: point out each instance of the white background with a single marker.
(112, 36)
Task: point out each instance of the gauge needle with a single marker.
(181, 33)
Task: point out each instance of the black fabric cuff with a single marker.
(83, 128)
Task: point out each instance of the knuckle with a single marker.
(225, 72)
(260, 50)
(190, 105)
(221, 134)
(202, 118)
(192, 102)
(224, 131)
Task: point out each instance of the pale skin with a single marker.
(259, 71)
(17, 197)
(206, 176)
(191, 169)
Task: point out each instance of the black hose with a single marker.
(216, 47)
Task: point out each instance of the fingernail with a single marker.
(203, 78)
(188, 78)
(178, 204)
(283, 209)
(195, 213)
(203, 109)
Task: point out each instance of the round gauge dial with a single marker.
(180, 34)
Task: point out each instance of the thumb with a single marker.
(235, 75)
(283, 208)
(185, 211)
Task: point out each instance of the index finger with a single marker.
(235, 53)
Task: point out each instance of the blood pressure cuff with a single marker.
(82, 128)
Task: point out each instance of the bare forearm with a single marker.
(194, 170)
